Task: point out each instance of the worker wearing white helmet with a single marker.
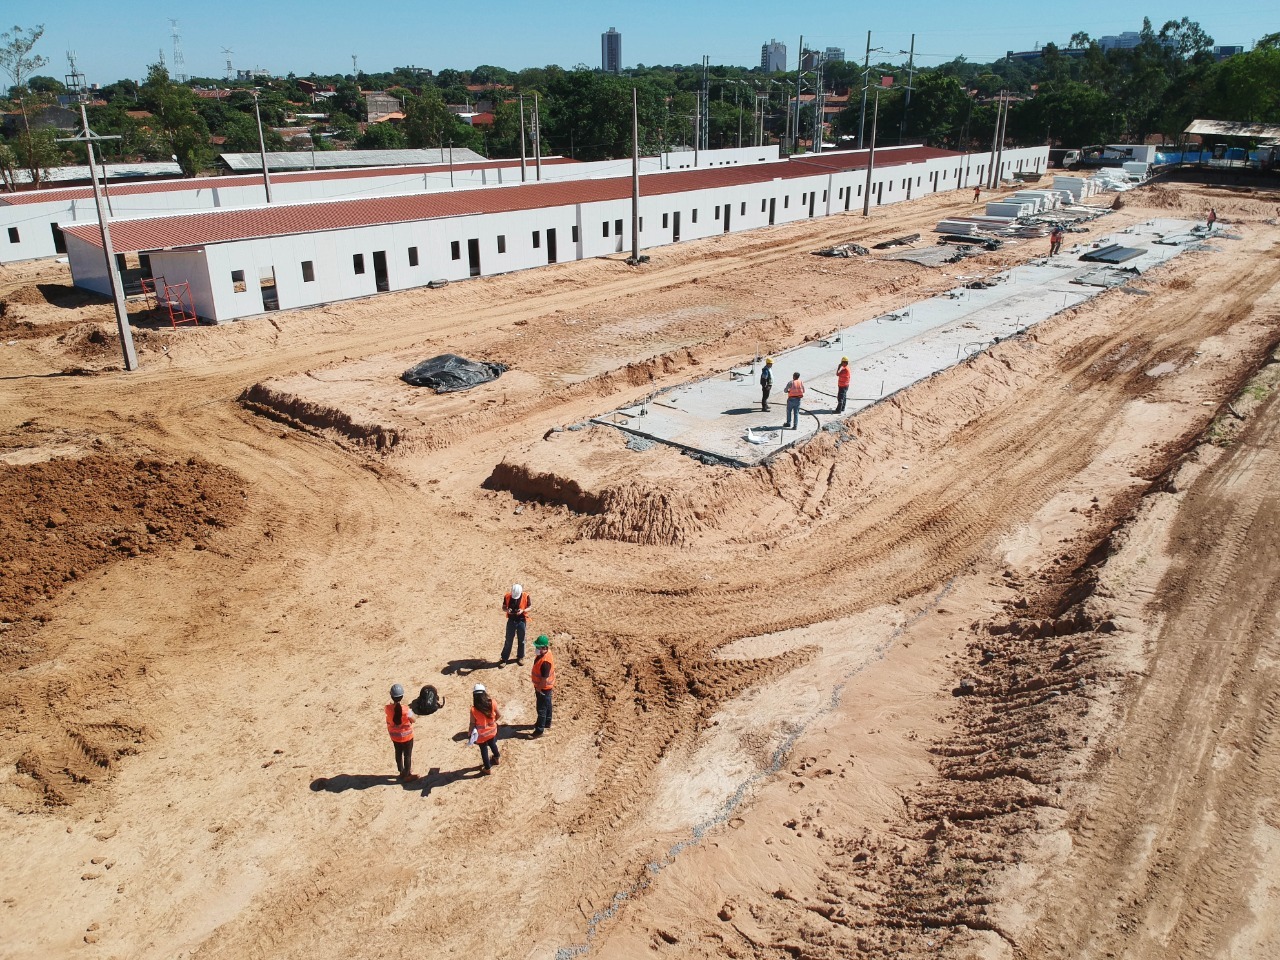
(516, 606)
(400, 726)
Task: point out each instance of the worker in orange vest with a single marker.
(795, 393)
(515, 605)
(484, 725)
(544, 680)
(844, 377)
(400, 725)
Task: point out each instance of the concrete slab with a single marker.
(719, 417)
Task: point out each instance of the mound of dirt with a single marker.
(64, 518)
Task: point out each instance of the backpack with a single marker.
(428, 702)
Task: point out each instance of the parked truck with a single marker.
(1064, 159)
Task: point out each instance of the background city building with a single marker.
(773, 57)
(611, 51)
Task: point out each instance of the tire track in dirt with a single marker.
(1165, 858)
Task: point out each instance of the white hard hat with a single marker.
(516, 590)
(478, 688)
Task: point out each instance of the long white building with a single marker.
(246, 261)
(31, 222)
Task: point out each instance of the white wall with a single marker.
(603, 228)
(34, 220)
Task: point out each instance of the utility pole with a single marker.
(799, 73)
(737, 108)
(523, 161)
(635, 178)
(871, 161)
(262, 146)
(697, 129)
(995, 137)
(704, 128)
(866, 78)
(911, 72)
(537, 136)
(1004, 125)
(819, 106)
(117, 289)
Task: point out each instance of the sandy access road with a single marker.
(204, 606)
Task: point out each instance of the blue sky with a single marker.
(114, 41)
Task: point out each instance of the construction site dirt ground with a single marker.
(994, 672)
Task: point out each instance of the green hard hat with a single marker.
(542, 641)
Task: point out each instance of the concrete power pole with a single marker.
(537, 136)
(117, 289)
(523, 160)
(871, 161)
(262, 147)
(635, 178)
(911, 72)
(1004, 126)
(799, 73)
(866, 79)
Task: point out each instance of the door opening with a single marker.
(380, 279)
(551, 246)
(773, 204)
(675, 227)
(728, 212)
(267, 284)
(473, 257)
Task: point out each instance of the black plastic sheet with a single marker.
(449, 372)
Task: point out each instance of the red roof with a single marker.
(221, 226)
(212, 183)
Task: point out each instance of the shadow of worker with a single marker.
(464, 668)
(343, 782)
(437, 778)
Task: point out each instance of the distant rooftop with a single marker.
(338, 159)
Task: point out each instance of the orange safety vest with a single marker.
(521, 605)
(401, 732)
(540, 682)
(844, 376)
(486, 727)
(795, 389)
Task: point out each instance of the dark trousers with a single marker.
(793, 413)
(764, 397)
(841, 394)
(544, 709)
(404, 757)
(515, 629)
(485, 748)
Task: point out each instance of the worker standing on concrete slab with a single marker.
(544, 680)
(1055, 241)
(516, 606)
(766, 383)
(400, 725)
(844, 376)
(795, 393)
(484, 725)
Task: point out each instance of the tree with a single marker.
(16, 58)
(381, 136)
(180, 130)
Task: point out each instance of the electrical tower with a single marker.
(179, 65)
(230, 70)
(355, 70)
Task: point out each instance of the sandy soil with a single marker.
(991, 673)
